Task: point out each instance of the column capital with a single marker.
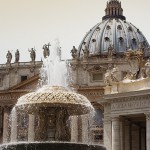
(147, 116)
(116, 118)
(106, 120)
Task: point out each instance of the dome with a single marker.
(115, 32)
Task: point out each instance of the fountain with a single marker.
(51, 105)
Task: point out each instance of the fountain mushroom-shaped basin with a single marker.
(54, 97)
(53, 105)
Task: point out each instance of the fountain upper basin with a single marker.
(54, 96)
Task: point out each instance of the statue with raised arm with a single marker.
(32, 54)
(46, 51)
(17, 56)
(9, 57)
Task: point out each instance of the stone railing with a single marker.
(131, 85)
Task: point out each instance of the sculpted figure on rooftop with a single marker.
(9, 57)
(147, 68)
(46, 49)
(74, 52)
(111, 75)
(17, 56)
(86, 52)
(32, 54)
(110, 51)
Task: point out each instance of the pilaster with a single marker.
(107, 133)
(6, 124)
(147, 131)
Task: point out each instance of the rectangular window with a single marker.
(98, 137)
(97, 76)
(23, 78)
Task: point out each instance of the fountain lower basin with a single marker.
(51, 146)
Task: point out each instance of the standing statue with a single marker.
(86, 52)
(147, 68)
(110, 51)
(74, 52)
(17, 56)
(46, 51)
(32, 54)
(111, 75)
(9, 57)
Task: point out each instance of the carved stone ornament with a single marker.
(32, 69)
(85, 66)
(147, 116)
(15, 69)
(96, 68)
(74, 66)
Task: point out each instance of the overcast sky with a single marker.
(31, 23)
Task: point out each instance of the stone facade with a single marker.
(112, 71)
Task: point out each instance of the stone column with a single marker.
(107, 133)
(148, 131)
(31, 131)
(74, 129)
(135, 137)
(115, 134)
(127, 135)
(5, 124)
(143, 139)
(85, 129)
(122, 133)
(14, 124)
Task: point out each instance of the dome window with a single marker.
(121, 39)
(106, 39)
(93, 40)
(130, 29)
(98, 28)
(108, 27)
(119, 27)
(134, 40)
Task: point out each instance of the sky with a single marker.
(25, 24)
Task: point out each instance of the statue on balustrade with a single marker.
(32, 54)
(74, 53)
(9, 57)
(17, 56)
(85, 52)
(46, 51)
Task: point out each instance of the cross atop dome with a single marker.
(114, 10)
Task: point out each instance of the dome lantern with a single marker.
(114, 10)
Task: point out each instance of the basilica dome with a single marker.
(115, 32)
